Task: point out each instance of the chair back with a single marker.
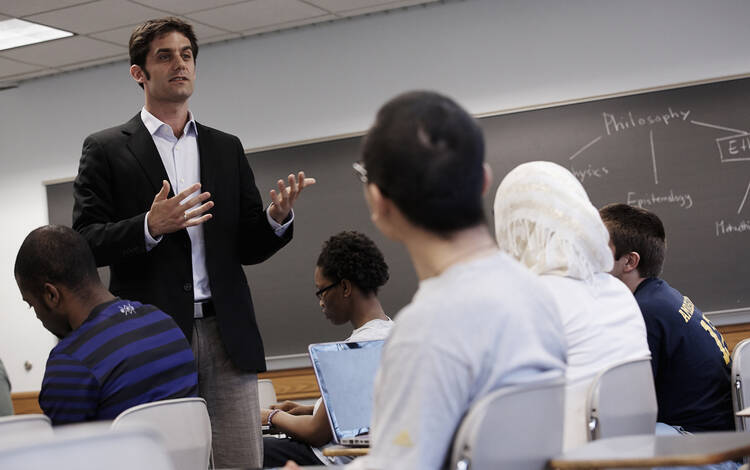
(37, 424)
(183, 424)
(518, 427)
(741, 383)
(124, 450)
(622, 400)
(266, 393)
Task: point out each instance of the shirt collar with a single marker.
(153, 124)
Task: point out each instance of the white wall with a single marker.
(330, 79)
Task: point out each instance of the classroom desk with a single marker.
(645, 451)
(341, 451)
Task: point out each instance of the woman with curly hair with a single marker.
(349, 272)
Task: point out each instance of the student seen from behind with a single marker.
(479, 320)
(545, 220)
(689, 358)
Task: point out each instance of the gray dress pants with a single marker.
(232, 399)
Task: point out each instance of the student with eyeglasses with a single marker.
(479, 320)
(348, 274)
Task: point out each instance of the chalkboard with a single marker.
(683, 153)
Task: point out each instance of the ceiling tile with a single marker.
(122, 35)
(65, 51)
(97, 16)
(257, 14)
(222, 37)
(291, 24)
(342, 5)
(92, 63)
(382, 7)
(18, 8)
(180, 7)
(11, 67)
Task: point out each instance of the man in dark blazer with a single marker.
(138, 202)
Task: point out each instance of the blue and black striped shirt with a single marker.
(123, 355)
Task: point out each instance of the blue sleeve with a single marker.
(70, 391)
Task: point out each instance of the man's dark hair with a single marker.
(58, 255)
(636, 229)
(425, 153)
(353, 256)
(140, 40)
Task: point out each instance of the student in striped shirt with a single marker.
(113, 354)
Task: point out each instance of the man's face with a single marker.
(56, 323)
(170, 68)
(330, 300)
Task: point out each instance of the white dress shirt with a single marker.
(182, 162)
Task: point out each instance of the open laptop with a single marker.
(346, 377)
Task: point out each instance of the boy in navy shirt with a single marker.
(690, 360)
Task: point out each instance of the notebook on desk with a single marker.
(346, 377)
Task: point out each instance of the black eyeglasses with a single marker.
(319, 293)
(360, 171)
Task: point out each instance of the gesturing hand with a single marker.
(168, 215)
(283, 200)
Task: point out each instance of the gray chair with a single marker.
(89, 449)
(183, 424)
(740, 371)
(266, 393)
(622, 401)
(36, 423)
(518, 428)
(24, 428)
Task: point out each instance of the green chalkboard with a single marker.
(683, 153)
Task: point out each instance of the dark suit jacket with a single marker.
(119, 174)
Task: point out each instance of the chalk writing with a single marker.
(725, 228)
(685, 201)
(734, 148)
(614, 124)
(589, 172)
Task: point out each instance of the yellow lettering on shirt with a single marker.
(717, 337)
(403, 440)
(687, 309)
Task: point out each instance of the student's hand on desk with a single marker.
(291, 466)
(293, 408)
(283, 200)
(264, 412)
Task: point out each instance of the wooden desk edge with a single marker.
(340, 451)
(688, 460)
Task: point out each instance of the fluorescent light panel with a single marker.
(16, 33)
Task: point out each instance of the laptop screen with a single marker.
(346, 376)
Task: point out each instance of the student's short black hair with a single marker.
(353, 256)
(426, 154)
(636, 229)
(58, 255)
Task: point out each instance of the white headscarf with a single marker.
(544, 219)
